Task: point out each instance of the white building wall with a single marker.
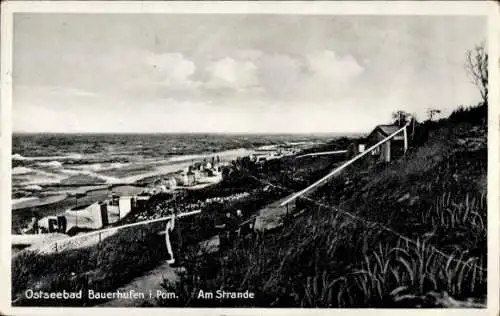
(125, 204)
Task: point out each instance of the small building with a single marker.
(186, 179)
(391, 149)
(125, 205)
(172, 183)
(189, 178)
(141, 200)
(208, 173)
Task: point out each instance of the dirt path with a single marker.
(149, 282)
(152, 280)
(272, 215)
(269, 217)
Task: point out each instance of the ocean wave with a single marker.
(70, 156)
(51, 164)
(107, 179)
(23, 199)
(17, 157)
(22, 170)
(118, 165)
(96, 167)
(33, 187)
(23, 176)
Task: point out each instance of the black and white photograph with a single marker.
(245, 155)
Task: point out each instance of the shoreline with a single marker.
(129, 185)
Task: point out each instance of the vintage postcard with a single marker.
(249, 157)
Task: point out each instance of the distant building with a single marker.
(189, 178)
(208, 173)
(172, 183)
(391, 149)
(141, 201)
(186, 179)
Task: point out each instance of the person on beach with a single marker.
(226, 227)
(239, 218)
(173, 240)
(168, 229)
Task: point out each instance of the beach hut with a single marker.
(393, 148)
(125, 205)
(172, 183)
(186, 178)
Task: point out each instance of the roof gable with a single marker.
(388, 129)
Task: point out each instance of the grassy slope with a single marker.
(127, 254)
(436, 195)
(324, 258)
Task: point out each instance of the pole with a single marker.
(405, 135)
(413, 129)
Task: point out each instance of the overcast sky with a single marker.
(235, 73)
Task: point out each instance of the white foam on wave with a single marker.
(33, 187)
(17, 157)
(118, 165)
(95, 167)
(23, 199)
(51, 164)
(23, 176)
(74, 156)
(107, 179)
(22, 170)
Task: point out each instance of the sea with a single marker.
(48, 167)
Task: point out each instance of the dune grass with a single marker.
(324, 258)
(329, 259)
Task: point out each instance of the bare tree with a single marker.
(401, 117)
(432, 112)
(476, 65)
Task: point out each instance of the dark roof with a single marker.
(387, 129)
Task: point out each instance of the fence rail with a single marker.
(323, 153)
(345, 165)
(99, 235)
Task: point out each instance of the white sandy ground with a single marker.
(46, 243)
(25, 202)
(49, 243)
(36, 240)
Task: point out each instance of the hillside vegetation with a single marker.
(368, 239)
(409, 234)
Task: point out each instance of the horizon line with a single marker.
(184, 133)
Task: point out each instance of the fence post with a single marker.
(55, 244)
(405, 133)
